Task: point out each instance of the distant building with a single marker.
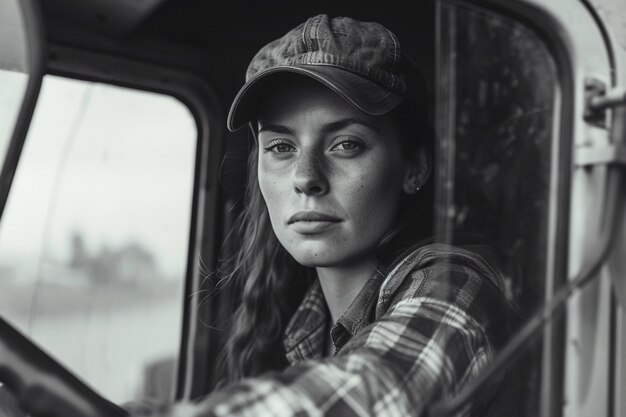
(129, 263)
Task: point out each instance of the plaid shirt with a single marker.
(407, 340)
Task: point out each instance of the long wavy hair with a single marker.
(271, 284)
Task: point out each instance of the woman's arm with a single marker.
(434, 338)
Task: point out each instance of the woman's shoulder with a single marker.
(420, 261)
(463, 279)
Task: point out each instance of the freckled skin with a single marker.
(354, 173)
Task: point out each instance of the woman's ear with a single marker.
(417, 171)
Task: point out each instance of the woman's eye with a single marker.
(283, 148)
(347, 145)
(280, 148)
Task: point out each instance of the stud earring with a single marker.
(416, 186)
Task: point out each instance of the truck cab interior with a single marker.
(121, 181)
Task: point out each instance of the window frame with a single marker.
(205, 223)
(33, 23)
(617, 310)
(554, 36)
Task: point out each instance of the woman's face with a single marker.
(331, 175)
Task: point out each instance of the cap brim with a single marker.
(363, 94)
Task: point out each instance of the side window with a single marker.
(94, 237)
(496, 120)
(497, 113)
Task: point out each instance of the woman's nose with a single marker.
(309, 175)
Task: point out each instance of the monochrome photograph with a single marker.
(312, 209)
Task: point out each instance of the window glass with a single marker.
(14, 69)
(496, 112)
(94, 238)
(13, 87)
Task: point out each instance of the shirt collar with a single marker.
(307, 331)
(357, 315)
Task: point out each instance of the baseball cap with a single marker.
(360, 61)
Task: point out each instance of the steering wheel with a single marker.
(42, 386)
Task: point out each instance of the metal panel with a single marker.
(587, 343)
(613, 13)
(612, 17)
(111, 17)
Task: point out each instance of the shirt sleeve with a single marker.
(432, 340)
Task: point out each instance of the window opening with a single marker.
(94, 238)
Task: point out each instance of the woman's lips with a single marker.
(312, 216)
(311, 222)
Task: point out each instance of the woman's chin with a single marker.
(321, 256)
(317, 255)
(317, 260)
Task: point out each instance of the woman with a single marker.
(343, 311)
